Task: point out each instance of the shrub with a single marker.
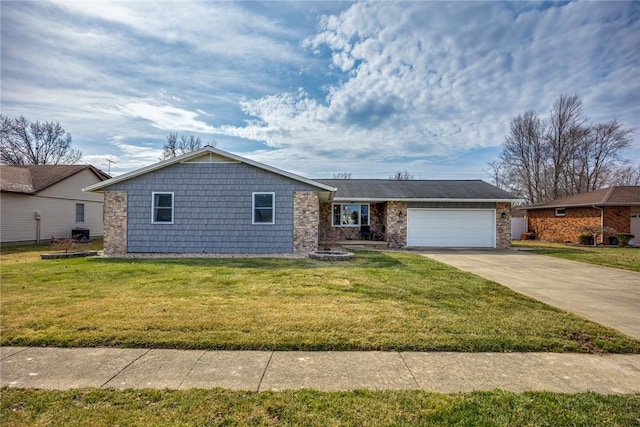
(586, 239)
(624, 238)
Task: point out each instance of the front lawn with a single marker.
(609, 256)
(312, 408)
(380, 301)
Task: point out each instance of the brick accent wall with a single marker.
(553, 228)
(621, 223)
(306, 214)
(396, 225)
(568, 228)
(115, 223)
(503, 225)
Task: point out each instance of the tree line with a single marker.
(23, 142)
(544, 158)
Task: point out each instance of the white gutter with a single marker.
(405, 199)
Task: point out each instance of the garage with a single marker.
(461, 228)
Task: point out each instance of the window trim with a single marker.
(253, 207)
(83, 213)
(153, 207)
(368, 205)
(561, 212)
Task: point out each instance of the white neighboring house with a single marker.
(44, 201)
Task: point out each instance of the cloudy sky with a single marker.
(316, 87)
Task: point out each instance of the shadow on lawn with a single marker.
(366, 259)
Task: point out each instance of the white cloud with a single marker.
(437, 79)
(166, 116)
(422, 83)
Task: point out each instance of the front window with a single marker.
(560, 211)
(350, 215)
(263, 208)
(79, 212)
(162, 208)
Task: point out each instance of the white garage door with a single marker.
(454, 228)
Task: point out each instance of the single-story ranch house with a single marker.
(614, 209)
(38, 202)
(212, 201)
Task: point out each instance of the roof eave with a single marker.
(423, 199)
(580, 205)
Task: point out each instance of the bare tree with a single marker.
(39, 143)
(402, 176)
(567, 129)
(597, 156)
(562, 155)
(342, 175)
(176, 147)
(524, 156)
(626, 175)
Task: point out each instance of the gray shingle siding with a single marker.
(212, 209)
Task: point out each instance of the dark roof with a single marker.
(388, 189)
(612, 196)
(31, 179)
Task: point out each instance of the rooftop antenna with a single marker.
(110, 161)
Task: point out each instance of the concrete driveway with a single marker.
(605, 295)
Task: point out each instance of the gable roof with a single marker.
(31, 179)
(613, 196)
(418, 190)
(199, 153)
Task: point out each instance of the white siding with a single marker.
(518, 226)
(57, 207)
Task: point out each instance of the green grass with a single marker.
(311, 408)
(623, 258)
(380, 301)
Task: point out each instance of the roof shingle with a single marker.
(611, 196)
(31, 179)
(388, 189)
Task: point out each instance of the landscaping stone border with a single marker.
(65, 255)
(331, 256)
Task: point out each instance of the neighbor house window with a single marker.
(560, 211)
(350, 215)
(79, 212)
(263, 208)
(162, 208)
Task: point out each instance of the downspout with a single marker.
(601, 224)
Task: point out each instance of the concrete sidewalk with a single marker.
(57, 368)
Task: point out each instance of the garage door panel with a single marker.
(451, 227)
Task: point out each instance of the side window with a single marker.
(79, 212)
(263, 208)
(162, 208)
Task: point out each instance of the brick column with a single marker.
(503, 225)
(306, 217)
(396, 225)
(115, 223)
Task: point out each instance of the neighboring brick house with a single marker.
(614, 210)
(38, 202)
(212, 201)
